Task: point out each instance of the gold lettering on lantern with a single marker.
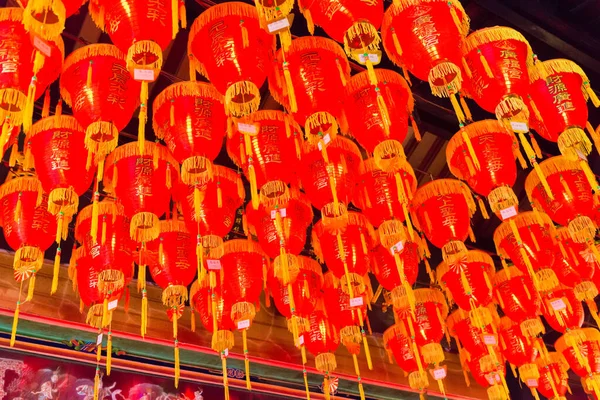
(93, 278)
(144, 169)
(118, 85)
(221, 47)
(561, 97)
(311, 73)
(422, 318)
(448, 214)
(202, 118)
(491, 153)
(582, 185)
(9, 54)
(425, 30)
(511, 68)
(157, 11)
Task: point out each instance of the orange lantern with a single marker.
(490, 373)
(425, 37)
(583, 356)
(46, 18)
(562, 310)
(554, 379)
(519, 351)
(229, 48)
(475, 333)
(322, 341)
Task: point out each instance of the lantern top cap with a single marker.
(440, 187)
(492, 34)
(25, 183)
(354, 218)
(242, 246)
(105, 207)
(521, 220)
(132, 149)
(557, 66)
(14, 14)
(574, 336)
(55, 122)
(340, 143)
(399, 6)
(369, 165)
(551, 166)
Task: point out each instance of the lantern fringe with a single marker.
(358, 31)
(182, 89)
(249, 94)
(440, 187)
(241, 246)
(132, 150)
(432, 353)
(222, 340)
(312, 128)
(27, 261)
(501, 198)
(521, 220)
(31, 287)
(105, 207)
(573, 140)
(96, 135)
(274, 194)
(242, 310)
(311, 43)
(325, 362)
(144, 227)
(63, 200)
(513, 108)
(448, 88)
(418, 380)
(11, 99)
(557, 66)
(139, 51)
(585, 291)
(110, 282)
(385, 77)
(87, 53)
(55, 122)
(94, 316)
(551, 166)
(174, 295)
(14, 14)
(485, 36)
(401, 5)
(22, 184)
(389, 155)
(196, 170)
(582, 229)
(472, 256)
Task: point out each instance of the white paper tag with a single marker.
(373, 57)
(356, 302)
(493, 378)
(247, 128)
(42, 46)
(532, 383)
(245, 324)
(300, 340)
(519, 127)
(558, 304)
(278, 25)
(581, 155)
(282, 212)
(99, 339)
(113, 304)
(439, 373)
(143, 75)
(490, 340)
(326, 140)
(508, 212)
(397, 248)
(226, 352)
(213, 265)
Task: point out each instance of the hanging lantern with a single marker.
(527, 239)
(330, 184)
(554, 379)
(230, 49)
(425, 38)
(276, 18)
(478, 336)
(562, 310)
(518, 350)
(189, 117)
(483, 154)
(378, 116)
(28, 229)
(558, 101)
(322, 341)
(515, 293)
(491, 374)
(384, 267)
(96, 85)
(468, 282)
(572, 204)
(142, 182)
(267, 146)
(443, 209)
(173, 272)
(142, 30)
(309, 79)
(26, 70)
(583, 355)
(46, 18)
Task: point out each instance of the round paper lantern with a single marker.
(291, 235)
(515, 293)
(527, 239)
(230, 49)
(309, 79)
(189, 117)
(558, 101)
(581, 349)
(330, 182)
(515, 347)
(425, 37)
(477, 336)
(267, 146)
(562, 310)
(490, 373)
(442, 210)
(384, 267)
(468, 282)
(572, 203)
(142, 182)
(322, 342)
(46, 18)
(96, 85)
(554, 379)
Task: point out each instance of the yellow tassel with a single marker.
(89, 74)
(225, 382)
(309, 21)
(298, 148)
(14, 153)
(245, 41)
(535, 110)
(246, 360)
(363, 242)
(58, 109)
(543, 180)
(182, 14)
(536, 147)
(56, 272)
(174, 20)
(95, 212)
(365, 343)
(219, 196)
(155, 156)
(81, 306)
(341, 71)
(465, 107)
(383, 113)
(144, 324)
(457, 110)
(406, 76)
(415, 128)
(29, 104)
(591, 94)
(485, 64)
(176, 361)
(30, 288)
(397, 46)
(566, 187)
(371, 73)
(46, 106)
(482, 208)
(429, 270)
(253, 187)
(455, 18)
(326, 389)
(192, 68)
(96, 383)
(18, 209)
(108, 353)
(472, 153)
(143, 116)
(103, 230)
(105, 312)
(193, 321)
(289, 84)
(99, 349)
(466, 68)
(472, 235)
(13, 333)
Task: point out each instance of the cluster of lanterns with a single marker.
(166, 208)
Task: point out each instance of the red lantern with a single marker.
(483, 154)
(298, 216)
(269, 153)
(26, 71)
(219, 44)
(425, 37)
(559, 95)
(583, 354)
(333, 181)
(322, 341)
(385, 270)
(572, 203)
(189, 117)
(515, 347)
(477, 337)
(47, 18)
(468, 282)
(562, 310)
(527, 239)
(309, 81)
(554, 379)
(490, 373)
(96, 85)
(443, 209)
(142, 182)
(516, 296)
